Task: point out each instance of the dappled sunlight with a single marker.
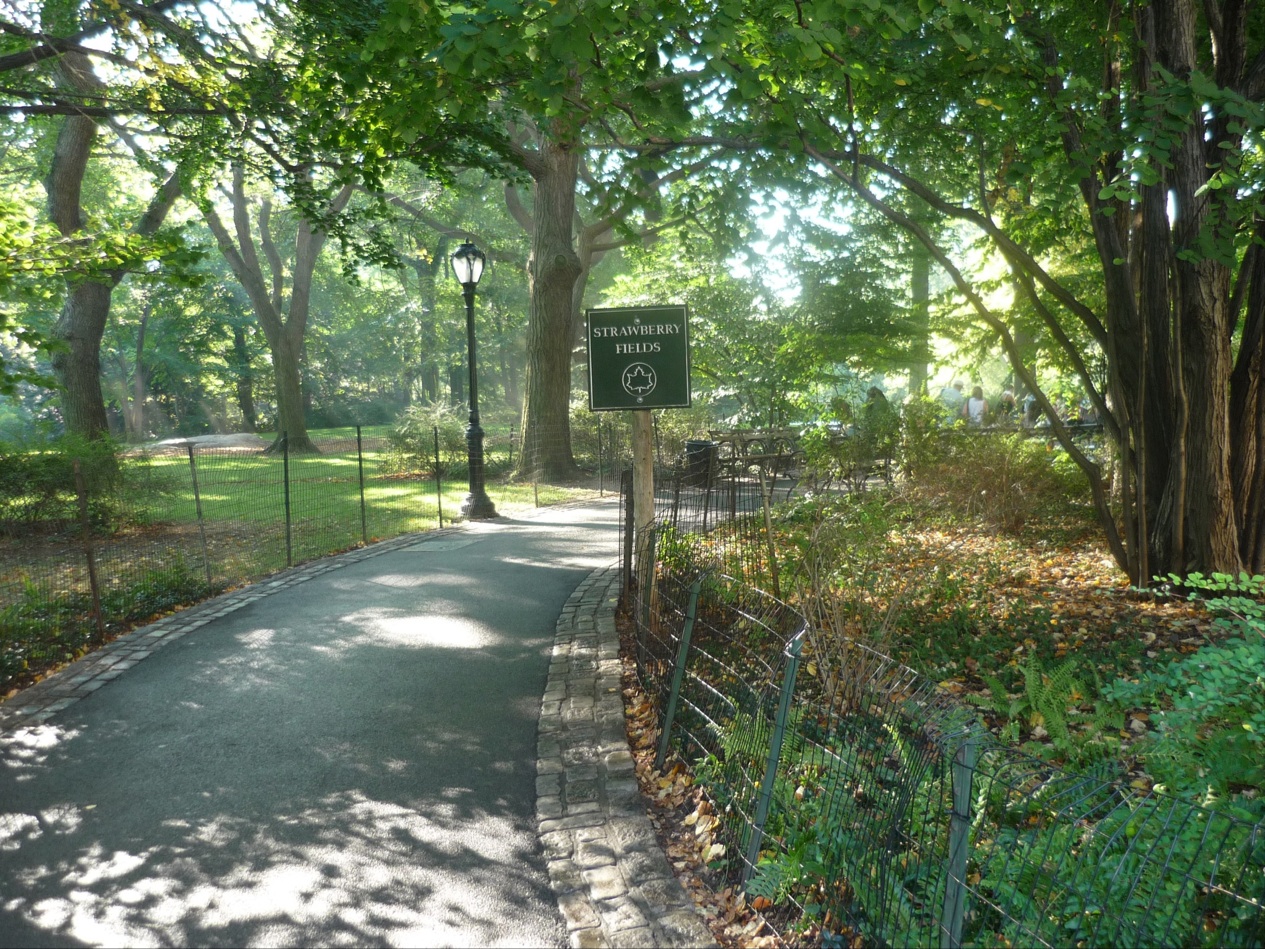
(31, 746)
(345, 869)
(443, 632)
(349, 760)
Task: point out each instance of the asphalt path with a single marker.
(349, 761)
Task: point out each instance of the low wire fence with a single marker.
(90, 545)
(868, 807)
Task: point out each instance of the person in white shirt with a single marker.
(975, 409)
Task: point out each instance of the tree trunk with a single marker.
(245, 380)
(78, 366)
(86, 308)
(457, 383)
(135, 415)
(284, 326)
(920, 304)
(290, 421)
(1195, 527)
(553, 269)
(1247, 410)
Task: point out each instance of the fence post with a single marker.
(285, 476)
(82, 490)
(439, 487)
(963, 771)
(793, 650)
(647, 588)
(600, 482)
(677, 477)
(625, 490)
(678, 673)
(360, 464)
(512, 437)
(766, 501)
(197, 504)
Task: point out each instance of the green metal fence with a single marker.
(869, 807)
(135, 535)
(864, 803)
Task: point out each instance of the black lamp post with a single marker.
(467, 264)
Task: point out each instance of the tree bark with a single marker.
(245, 380)
(1247, 409)
(1196, 528)
(283, 321)
(553, 269)
(86, 309)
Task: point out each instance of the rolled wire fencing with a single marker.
(867, 806)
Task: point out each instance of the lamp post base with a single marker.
(478, 507)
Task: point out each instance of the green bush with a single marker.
(45, 628)
(922, 440)
(411, 440)
(37, 486)
(1001, 478)
(1209, 707)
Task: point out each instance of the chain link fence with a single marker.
(860, 804)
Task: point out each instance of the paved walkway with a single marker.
(417, 743)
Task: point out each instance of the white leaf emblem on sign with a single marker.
(639, 380)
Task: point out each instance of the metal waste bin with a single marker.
(700, 462)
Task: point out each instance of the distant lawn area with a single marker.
(152, 553)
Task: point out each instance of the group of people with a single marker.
(976, 410)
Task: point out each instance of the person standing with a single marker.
(951, 399)
(975, 409)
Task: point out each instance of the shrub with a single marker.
(411, 440)
(1001, 478)
(37, 486)
(1209, 707)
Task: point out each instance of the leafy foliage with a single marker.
(37, 488)
(413, 440)
(1000, 478)
(1210, 707)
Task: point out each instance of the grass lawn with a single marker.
(156, 554)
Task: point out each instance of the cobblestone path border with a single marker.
(613, 882)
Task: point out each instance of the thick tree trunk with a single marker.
(553, 269)
(87, 305)
(457, 383)
(245, 380)
(86, 309)
(1195, 529)
(1247, 414)
(290, 421)
(78, 366)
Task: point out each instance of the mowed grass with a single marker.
(153, 553)
(244, 494)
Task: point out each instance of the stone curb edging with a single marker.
(36, 704)
(613, 882)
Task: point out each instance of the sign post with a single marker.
(639, 360)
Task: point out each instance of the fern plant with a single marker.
(1043, 702)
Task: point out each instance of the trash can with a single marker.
(700, 462)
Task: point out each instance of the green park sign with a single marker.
(639, 358)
